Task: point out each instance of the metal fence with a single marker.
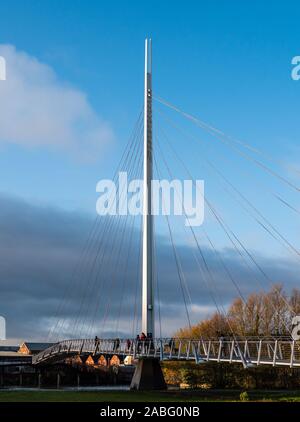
(247, 351)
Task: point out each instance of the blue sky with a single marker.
(227, 62)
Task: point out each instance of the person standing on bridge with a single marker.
(116, 344)
(171, 344)
(150, 340)
(97, 342)
(143, 341)
(137, 343)
(222, 345)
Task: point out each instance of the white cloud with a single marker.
(36, 109)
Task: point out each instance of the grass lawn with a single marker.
(128, 396)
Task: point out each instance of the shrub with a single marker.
(244, 396)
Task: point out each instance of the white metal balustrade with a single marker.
(248, 351)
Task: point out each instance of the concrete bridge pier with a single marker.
(148, 375)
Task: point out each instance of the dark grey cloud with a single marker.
(53, 280)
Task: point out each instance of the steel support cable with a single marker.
(110, 228)
(60, 307)
(125, 274)
(247, 252)
(178, 158)
(281, 240)
(284, 241)
(138, 269)
(125, 271)
(115, 232)
(196, 139)
(284, 322)
(206, 266)
(184, 279)
(216, 133)
(157, 289)
(226, 268)
(99, 297)
(88, 240)
(115, 267)
(87, 322)
(180, 273)
(221, 133)
(156, 281)
(206, 235)
(114, 278)
(227, 231)
(90, 284)
(83, 314)
(197, 243)
(218, 255)
(284, 202)
(123, 289)
(103, 239)
(195, 239)
(250, 256)
(155, 270)
(137, 284)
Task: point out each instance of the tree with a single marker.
(261, 314)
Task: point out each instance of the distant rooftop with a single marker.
(31, 348)
(21, 346)
(9, 354)
(11, 342)
(36, 347)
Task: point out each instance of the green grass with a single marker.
(128, 396)
(90, 396)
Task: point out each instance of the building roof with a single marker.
(14, 345)
(10, 354)
(14, 358)
(10, 345)
(36, 347)
(9, 348)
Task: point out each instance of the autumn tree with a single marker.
(261, 314)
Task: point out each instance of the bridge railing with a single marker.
(248, 351)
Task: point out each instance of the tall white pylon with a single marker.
(148, 294)
(2, 328)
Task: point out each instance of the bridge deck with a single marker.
(248, 352)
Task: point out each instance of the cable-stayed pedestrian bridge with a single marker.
(248, 351)
(122, 278)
